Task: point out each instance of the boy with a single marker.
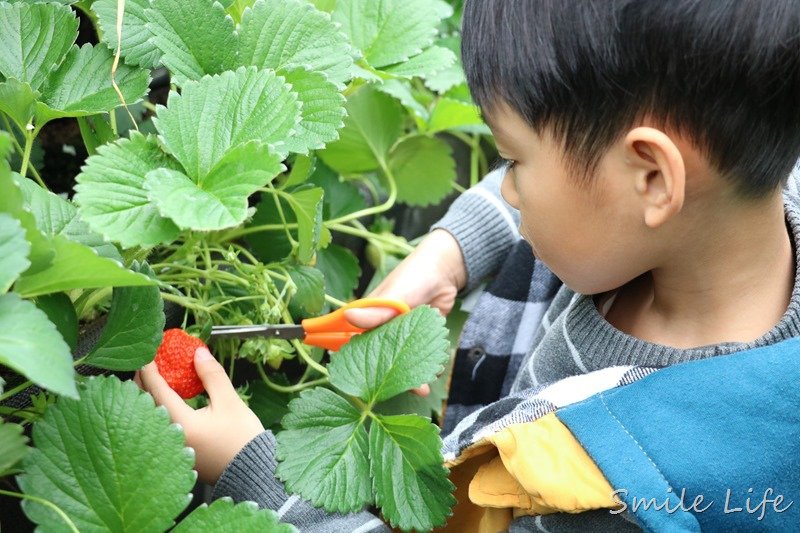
(647, 143)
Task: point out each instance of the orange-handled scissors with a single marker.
(329, 331)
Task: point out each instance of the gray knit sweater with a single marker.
(564, 338)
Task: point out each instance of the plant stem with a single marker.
(11, 392)
(18, 148)
(364, 234)
(352, 87)
(42, 501)
(484, 161)
(235, 234)
(366, 410)
(26, 159)
(185, 302)
(372, 190)
(112, 118)
(335, 301)
(7, 126)
(473, 160)
(385, 206)
(478, 164)
(88, 300)
(25, 384)
(302, 351)
(280, 213)
(457, 186)
(194, 273)
(290, 388)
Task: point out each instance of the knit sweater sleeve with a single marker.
(250, 476)
(484, 225)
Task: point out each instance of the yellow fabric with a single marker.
(552, 467)
(526, 469)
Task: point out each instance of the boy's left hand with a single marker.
(218, 431)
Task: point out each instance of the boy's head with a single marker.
(657, 90)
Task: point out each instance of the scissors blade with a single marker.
(286, 332)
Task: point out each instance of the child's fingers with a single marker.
(215, 380)
(138, 380)
(153, 383)
(369, 317)
(423, 390)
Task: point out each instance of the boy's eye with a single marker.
(502, 162)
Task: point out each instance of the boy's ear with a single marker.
(659, 173)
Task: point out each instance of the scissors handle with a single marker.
(332, 331)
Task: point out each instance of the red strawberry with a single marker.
(175, 362)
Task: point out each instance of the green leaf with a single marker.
(365, 140)
(223, 515)
(82, 85)
(31, 345)
(444, 80)
(310, 296)
(12, 446)
(390, 31)
(271, 245)
(302, 167)
(405, 403)
(14, 250)
(11, 203)
(220, 199)
(401, 89)
(236, 8)
(452, 114)
(324, 451)
(110, 460)
(56, 216)
(424, 170)
(95, 132)
(195, 37)
(341, 197)
(324, 5)
(76, 266)
(429, 62)
(18, 101)
(322, 110)
(111, 197)
(36, 38)
(307, 207)
(268, 404)
(65, 2)
(341, 270)
(403, 353)
(409, 477)
(209, 117)
(133, 329)
(290, 34)
(137, 46)
(61, 312)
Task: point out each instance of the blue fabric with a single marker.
(726, 429)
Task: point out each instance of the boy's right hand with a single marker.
(432, 274)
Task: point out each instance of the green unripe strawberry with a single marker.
(175, 362)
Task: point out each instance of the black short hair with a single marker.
(726, 73)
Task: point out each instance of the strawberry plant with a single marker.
(288, 127)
